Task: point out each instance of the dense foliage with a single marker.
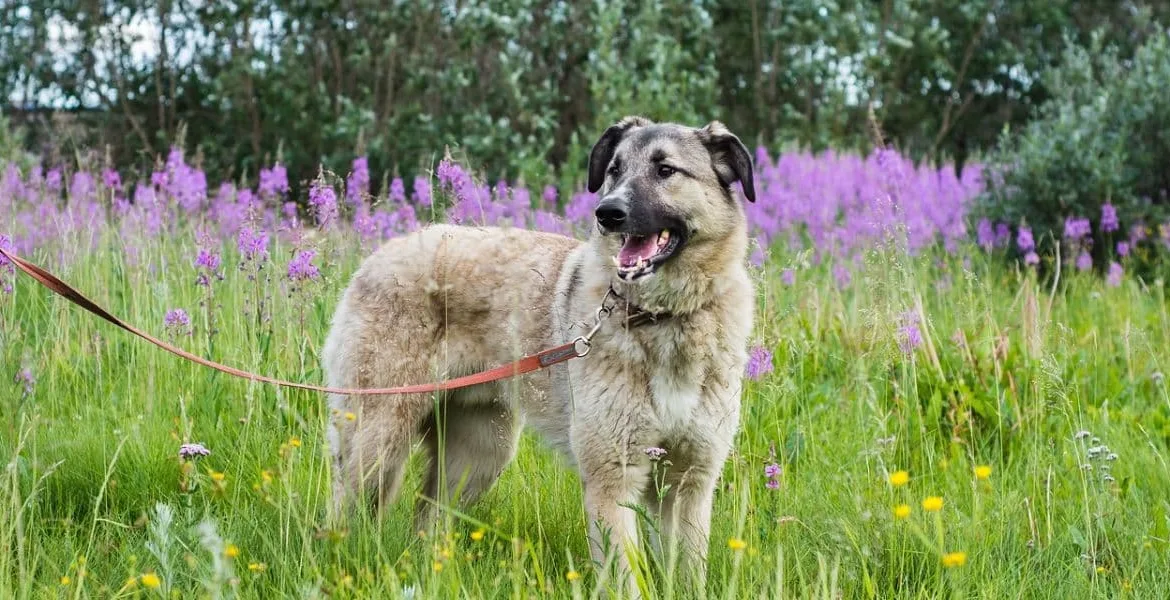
(522, 85)
(1091, 170)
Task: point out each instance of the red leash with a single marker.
(546, 358)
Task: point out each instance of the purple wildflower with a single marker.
(53, 179)
(206, 259)
(1115, 273)
(985, 234)
(772, 484)
(759, 362)
(274, 181)
(1024, 240)
(193, 451)
(1076, 228)
(357, 185)
(1031, 258)
(176, 317)
(301, 267)
(1109, 218)
(788, 276)
(772, 471)
(252, 244)
(655, 453)
(422, 191)
(1123, 248)
(25, 377)
(1003, 234)
(910, 337)
(549, 196)
(398, 190)
(323, 201)
(112, 179)
(1084, 261)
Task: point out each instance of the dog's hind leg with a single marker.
(469, 443)
(372, 448)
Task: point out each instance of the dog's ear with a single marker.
(729, 157)
(602, 151)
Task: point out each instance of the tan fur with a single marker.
(449, 301)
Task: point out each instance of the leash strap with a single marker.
(577, 348)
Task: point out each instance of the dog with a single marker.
(663, 373)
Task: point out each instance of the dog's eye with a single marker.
(615, 168)
(665, 171)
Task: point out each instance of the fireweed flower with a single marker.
(1024, 240)
(397, 190)
(422, 191)
(549, 195)
(1109, 218)
(274, 181)
(985, 234)
(1084, 261)
(177, 322)
(323, 201)
(1076, 228)
(193, 451)
(759, 362)
(909, 337)
(25, 377)
(252, 244)
(357, 185)
(1115, 273)
(301, 268)
(207, 262)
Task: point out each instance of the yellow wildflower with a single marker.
(932, 504)
(902, 511)
(350, 416)
(954, 559)
(295, 442)
(477, 535)
(257, 567)
(736, 544)
(65, 580)
(572, 576)
(231, 551)
(438, 567)
(982, 471)
(217, 476)
(899, 478)
(150, 580)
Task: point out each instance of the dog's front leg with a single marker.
(687, 524)
(610, 487)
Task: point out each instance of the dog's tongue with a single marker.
(638, 247)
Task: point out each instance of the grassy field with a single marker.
(94, 496)
(1033, 419)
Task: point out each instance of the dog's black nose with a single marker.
(611, 213)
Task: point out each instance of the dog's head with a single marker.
(666, 208)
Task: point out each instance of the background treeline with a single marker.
(523, 87)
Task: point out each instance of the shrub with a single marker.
(1099, 145)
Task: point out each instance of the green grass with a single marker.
(90, 454)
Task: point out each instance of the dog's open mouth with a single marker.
(640, 255)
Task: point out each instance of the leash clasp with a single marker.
(583, 343)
